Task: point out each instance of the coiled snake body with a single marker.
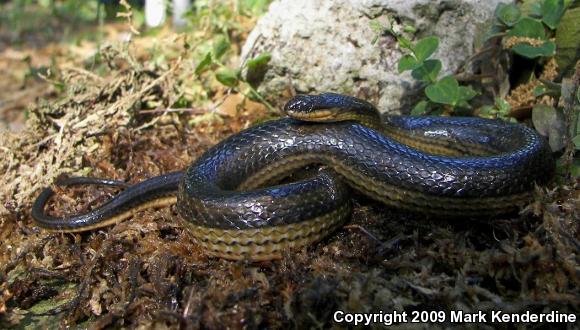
(233, 200)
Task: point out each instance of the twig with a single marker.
(41, 142)
(84, 72)
(464, 77)
(197, 111)
(475, 56)
(364, 231)
(260, 98)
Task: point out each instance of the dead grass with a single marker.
(522, 98)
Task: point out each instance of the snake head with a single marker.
(327, 107)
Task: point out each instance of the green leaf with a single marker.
(552, 11)
(502, 106)
(529, 7)
(221, 46)
(466, 93)
(528, 27)
(548, 88)
(536, 10)
(407, 62)
(575, 170)
(425, 48)
(445, 91)
(508, 14)
(576, 141)
(259, 61)
(568, 41)
(421, 108)
(428, 71)
(487, 111)
(376, 26)
(203, 64)
(548, 48)
(409, 28)
(404, 43)
(552, 123)
(255, 7)
(227, 77)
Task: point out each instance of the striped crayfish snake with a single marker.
(239, 203)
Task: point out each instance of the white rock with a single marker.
(323, 45)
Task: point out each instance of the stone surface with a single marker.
(319, 46)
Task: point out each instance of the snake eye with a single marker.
(299, 104)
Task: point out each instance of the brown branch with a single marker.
(197, 111)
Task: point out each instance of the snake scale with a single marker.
(240, 200)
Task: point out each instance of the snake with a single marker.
(287, 183)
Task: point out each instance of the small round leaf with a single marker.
(425, 48)
(552, 11)
(204, 63)
(445, 91)
(528, 27)
(259, 61)
(508, 14)
(428, 71)
(548, 48)
(420, 108)
(407, 62)
(227, 77)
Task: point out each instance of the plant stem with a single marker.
(259, 96)
(569, 90)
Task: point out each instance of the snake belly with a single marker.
(235, 213)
